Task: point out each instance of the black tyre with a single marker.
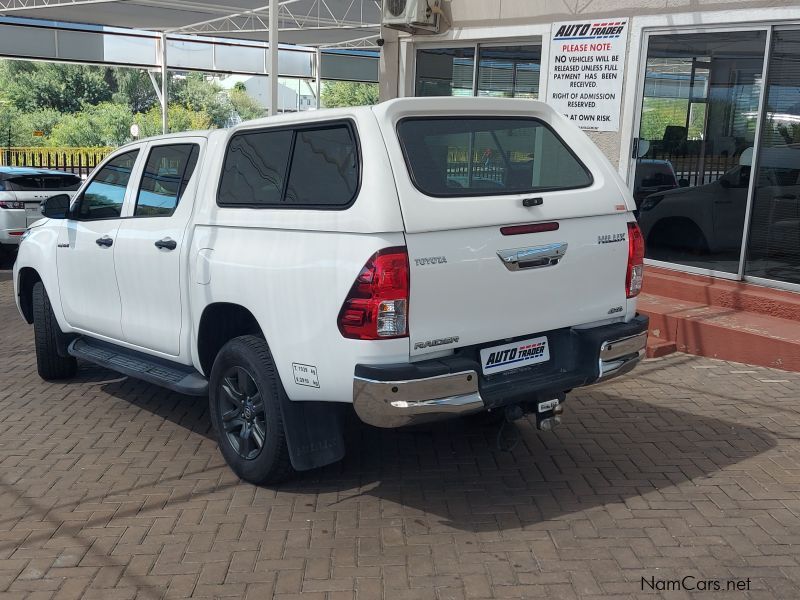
(47, 336)
(245, 395)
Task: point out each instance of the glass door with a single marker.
(773, 251)
(693, 156)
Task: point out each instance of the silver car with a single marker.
(22, 190)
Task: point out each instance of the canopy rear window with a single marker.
(474, 156)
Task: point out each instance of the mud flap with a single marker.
(313, 433)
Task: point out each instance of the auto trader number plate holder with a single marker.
(497, 359)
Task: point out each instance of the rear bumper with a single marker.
(404, 394)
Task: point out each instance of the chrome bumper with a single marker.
(385, 398)
(393, 404)
(617, 357)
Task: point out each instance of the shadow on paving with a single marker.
(610, 448)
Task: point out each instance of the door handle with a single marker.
(104, 241)
(534, 257)
(166, 243)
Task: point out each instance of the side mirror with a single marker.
(56, 207)
(683, 182)
(724, 182)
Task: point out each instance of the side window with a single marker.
(105, 194)
(254, 169)
(324, 169)
(166, 174)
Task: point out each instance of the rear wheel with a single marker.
(47, 337)
(245, 395)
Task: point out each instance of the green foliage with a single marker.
(32, 86)
(85, 106)
(196, 93)
(244, 105)
(180, 119)
(106, 124)
(134, 88)
(658, 113)
(348, 93)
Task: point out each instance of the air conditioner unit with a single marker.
(414, 16)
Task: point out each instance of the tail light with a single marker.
(633, 281)
(9, 204)
(377, 306)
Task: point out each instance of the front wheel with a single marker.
(47, 336)
(245, 395)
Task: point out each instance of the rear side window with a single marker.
(61, 183)
(324, 168)
(488, 156)
(255, 167)
(166, 175)
(306, 167)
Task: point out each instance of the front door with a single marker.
(86, 276)
(149, 249)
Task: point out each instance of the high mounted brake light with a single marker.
(377, 306)
(635, 276)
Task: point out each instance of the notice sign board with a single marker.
(587, 60)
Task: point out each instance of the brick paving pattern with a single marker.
(112, 489)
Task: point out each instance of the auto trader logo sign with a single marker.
(586, 69)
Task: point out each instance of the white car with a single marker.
(22, 190)
(295, 266)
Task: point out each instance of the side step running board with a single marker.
(180, 378)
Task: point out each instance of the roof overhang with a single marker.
(317, 23)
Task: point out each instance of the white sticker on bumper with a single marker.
(515, 355)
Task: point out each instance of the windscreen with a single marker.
(475, 156)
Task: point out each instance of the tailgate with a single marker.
(514, 222)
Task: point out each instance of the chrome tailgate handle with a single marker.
(533, 257)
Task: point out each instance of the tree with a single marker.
(180, 119)
(134, 88)
(106, 124)
(243, 105)
(32, 86)
(348, 93)
(196, 93)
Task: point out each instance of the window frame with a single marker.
(349, 123)
(535, 39)
(482, 192)
(81, 192)
(181, 188)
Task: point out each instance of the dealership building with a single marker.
(696, 104)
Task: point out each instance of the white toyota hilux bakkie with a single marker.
(421, 259)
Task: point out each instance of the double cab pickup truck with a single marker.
(421, 259)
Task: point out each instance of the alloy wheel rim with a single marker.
(242, 411)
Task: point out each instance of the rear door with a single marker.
(514, 222)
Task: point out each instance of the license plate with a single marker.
(515, 355)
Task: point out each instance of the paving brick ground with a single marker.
(111, 488)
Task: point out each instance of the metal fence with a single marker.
(80, 161)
